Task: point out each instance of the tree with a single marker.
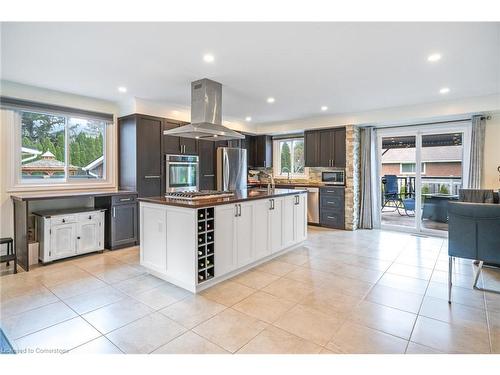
(285, 158)
(298, 157)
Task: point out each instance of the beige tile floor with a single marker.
(341, 292)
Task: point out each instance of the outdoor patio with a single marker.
(391, 217)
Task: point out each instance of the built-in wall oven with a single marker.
(333, 177)
(181, 173)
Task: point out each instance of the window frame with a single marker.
(12, 118)
(415, 166)
(277, 159)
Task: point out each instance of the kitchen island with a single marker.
(196, 244)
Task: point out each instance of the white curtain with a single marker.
(476, 152)
(366, 218)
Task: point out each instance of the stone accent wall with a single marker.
(352, 170)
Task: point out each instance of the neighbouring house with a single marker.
(47, 166)
(441, 167)
(95, 168)
(28, 154)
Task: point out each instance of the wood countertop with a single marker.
(239, 196)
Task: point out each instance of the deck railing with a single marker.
(430, 185)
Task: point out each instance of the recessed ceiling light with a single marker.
(434, 57)
(248, 118)
(208, 58)
(270, 99)
(324, 108)
(215, 135)
(122, 89)
(444, 90)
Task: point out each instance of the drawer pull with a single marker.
(125, 199)
(90, 217)
(331, 203)
(150, 177)
(63, 220)
(331, 217)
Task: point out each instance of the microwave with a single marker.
(333, 177)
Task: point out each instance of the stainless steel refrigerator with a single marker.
(231, 169)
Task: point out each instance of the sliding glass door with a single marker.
(421, 169)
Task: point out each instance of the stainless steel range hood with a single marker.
(206, 116)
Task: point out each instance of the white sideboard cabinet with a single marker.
(66, 233)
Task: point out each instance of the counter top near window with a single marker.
(239, 196)
(31, 196)
(293, 184)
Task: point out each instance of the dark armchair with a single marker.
(473, 233)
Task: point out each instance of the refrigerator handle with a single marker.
(225, 175)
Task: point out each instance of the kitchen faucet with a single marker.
(288, 173)
(270, 182)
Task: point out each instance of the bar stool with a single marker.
(11, 252)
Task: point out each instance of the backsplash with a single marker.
(314, 175)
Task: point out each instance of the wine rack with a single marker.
(206, 239)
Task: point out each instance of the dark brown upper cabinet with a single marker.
(325, 148)
(339, 148)
(259, 149)
(178, 145)
(311, 148)
(139, 150)
(263, 151)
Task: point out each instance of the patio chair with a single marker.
(391, 194)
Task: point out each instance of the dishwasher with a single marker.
(312, 204)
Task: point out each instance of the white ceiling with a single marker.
(346, 66)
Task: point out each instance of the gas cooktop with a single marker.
(197, 195)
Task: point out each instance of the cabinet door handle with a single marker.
(331, 217)
(63, 220)
(114, 211)
(151, 177)
(209, 175)
(239, 209)
(78, 237)
(90, 217)
(236, 213)
(125, 199)
(331, 203)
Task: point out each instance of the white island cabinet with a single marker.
(196, 247)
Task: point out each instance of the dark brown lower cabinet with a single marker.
(121, 220)
(331, 207)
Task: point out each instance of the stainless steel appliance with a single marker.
(312, 204)
(231, 169)
(198, 195)
(206, 114)
(181, 173)
(333, 177)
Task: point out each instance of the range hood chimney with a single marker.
(206, 115)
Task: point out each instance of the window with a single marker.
(409, 168)
(289, 157)
(58, 148)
